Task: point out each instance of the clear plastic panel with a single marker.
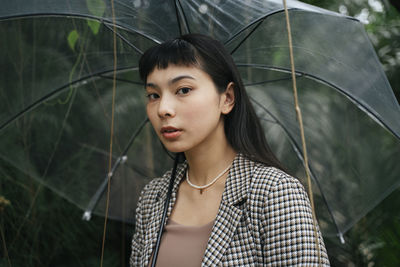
(154, 19)
(65, 145)
(158, 19)
(350, 155)
(37, 65)
(343, 59)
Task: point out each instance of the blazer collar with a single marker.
(238, 181)
(180, 173)
(229, 213)
(230, 210)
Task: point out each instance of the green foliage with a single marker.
(384, 32)
(374, 241)
(72, 38)
(42, 229)
(94, 26)
(96, 7)
(382, 23)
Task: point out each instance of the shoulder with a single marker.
(154, 187)
(271, 179)
(281, 207)
(157, 188)
(280, 194)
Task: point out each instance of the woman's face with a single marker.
(185, 108)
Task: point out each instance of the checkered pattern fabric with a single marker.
(264, 219)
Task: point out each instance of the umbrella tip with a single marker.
(341, 238)
(87, 216)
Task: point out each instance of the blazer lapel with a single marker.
(150, 236)
(229, 213)
(157, 211)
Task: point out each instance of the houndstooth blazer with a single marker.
(264, 219)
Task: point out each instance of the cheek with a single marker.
(151, 113)
(203, 113)
(197, 109)
(148, 110)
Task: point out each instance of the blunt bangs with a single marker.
(177, 52)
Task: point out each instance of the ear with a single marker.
(228, 98)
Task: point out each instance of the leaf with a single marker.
(94, 25)
(72, 38)
(96, 7)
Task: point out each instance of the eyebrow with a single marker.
(172, 81)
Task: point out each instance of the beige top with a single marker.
(183, 245)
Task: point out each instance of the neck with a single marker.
(206, 162)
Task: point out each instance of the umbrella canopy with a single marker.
(56, 95)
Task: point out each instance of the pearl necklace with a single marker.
(202, 187)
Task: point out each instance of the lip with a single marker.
(169, 132)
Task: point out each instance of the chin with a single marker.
(174, 149)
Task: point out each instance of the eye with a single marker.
(184, 91)
(152, 96)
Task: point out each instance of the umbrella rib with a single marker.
(177, 18)
(121, 159)
(262, 18)
(217, 7)
(259, 20)
(271, 81)
(123, 39)
(214, 20)
(120, 80)
(64, 15)
(247, 36)
(94, 149)
(185, 22)
(49, 95)
(360, 105)
(297, 150)
(194, 8)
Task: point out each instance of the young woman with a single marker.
(231, 204)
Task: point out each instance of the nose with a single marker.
(166, 107)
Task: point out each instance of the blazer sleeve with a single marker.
(290, 235)
(138, 236)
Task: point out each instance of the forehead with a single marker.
(172, 71)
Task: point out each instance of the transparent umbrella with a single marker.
(56, 95)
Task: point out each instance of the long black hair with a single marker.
(242, 126)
